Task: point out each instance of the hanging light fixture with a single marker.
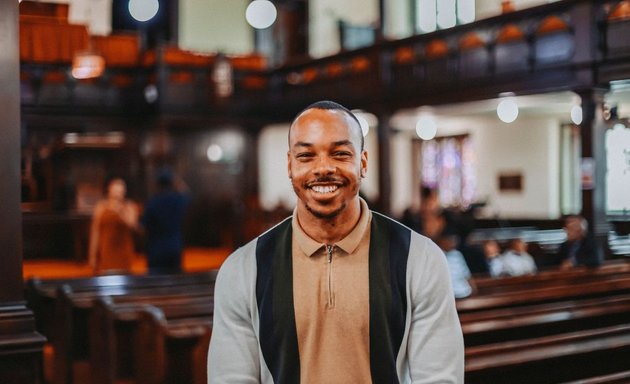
(366, 120)
(260, 14)
(576, 114)
(143, 10)
(87, 65)
(426, 127)
(214, 153)
(507, 110)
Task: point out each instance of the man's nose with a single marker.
(324, 166)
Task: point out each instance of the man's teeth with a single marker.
(324, 188)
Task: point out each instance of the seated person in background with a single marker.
(515, 261)
(457, 267)
(579, 248)
(492, 252)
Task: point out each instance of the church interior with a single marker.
(507, 117)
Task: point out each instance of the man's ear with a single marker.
(364, 163)
(289, 165)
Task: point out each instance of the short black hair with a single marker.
(332, 106)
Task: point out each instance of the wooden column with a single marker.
(20, 345)
(380, 28)
(593, 159)
(384, 164)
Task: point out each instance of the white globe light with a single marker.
(151, 93)
(576, 114)
(507, 110)
(365, 126)
(426, 128)
(143, 10)
(260, 14)
(214, 153)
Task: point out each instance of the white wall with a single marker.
(215, 25)
(323, 16)
(529, 146)
(402, 187)
(274, 185)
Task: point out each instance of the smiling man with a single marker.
(336, 293)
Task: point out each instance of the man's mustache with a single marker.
(325, 179)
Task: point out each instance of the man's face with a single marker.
(325, 161)
(573, 229)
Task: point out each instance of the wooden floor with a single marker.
(194, 260)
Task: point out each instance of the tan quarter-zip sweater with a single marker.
(331, 300)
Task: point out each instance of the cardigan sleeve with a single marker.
(435, 346)
(233, 355)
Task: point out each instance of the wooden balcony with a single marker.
(568, 45)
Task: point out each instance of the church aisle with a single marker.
(194, 260)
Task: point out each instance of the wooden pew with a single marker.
(71, 340)
(510, 313)
(532, 325)
(613, 378)
(172, 347)
(41, 295)
(73, 302)
(113, 325)
(488, 285)
(600, 288)
(551, 359)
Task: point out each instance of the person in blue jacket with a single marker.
(162, 222)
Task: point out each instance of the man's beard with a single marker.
(317, 213)
(329, 215)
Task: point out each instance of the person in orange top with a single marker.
(115, 219)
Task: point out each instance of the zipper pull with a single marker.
(329, 248)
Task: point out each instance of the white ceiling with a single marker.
(550, 104)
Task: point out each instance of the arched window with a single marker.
(431, 15)
(447, 164)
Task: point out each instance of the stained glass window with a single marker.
(448, 165)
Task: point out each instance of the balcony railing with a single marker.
(572, 44)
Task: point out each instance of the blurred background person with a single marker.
(162, 222)
(492, 253)
(516, 261)
(579, 248)
(114, 222)
(460, 274)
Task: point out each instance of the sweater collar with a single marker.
(348, 244)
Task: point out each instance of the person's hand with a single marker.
(566, 264)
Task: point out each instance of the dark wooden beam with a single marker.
(21, 346)
(593, 142)
(384, 133)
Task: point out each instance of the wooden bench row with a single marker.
(489, 285)
(42, 295)
(149, 333)
(157, 343)
(573, 330)
(65, 307)
(601, 287)
(552, 359)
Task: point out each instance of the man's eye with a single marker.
(304, 155)
(342, 154)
